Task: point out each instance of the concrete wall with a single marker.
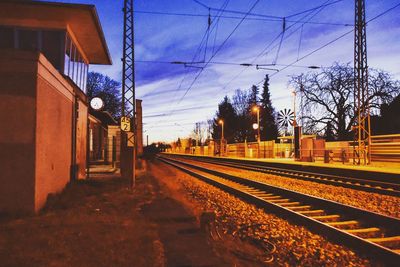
(81, 139)
(36, 105)
(53, 134)
(17, 132)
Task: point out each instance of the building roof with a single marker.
(80, 20)
(104, 116)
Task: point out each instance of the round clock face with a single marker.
(96, 103)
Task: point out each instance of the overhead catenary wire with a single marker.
(150, 12)
(300, 39)
(224, 5)
(336, 39)
(267, 48)
(198, 51)
(219, 48)
(224, 63)
(281, 41)
(314, 8)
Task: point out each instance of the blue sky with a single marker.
(171, 109)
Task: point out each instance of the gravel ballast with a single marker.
(383, 204)
(295, 245)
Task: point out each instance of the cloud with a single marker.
(169, 38)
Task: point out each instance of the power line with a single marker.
(265, 50)
(309, 54)
(222, 63)
(224, 5)
(237, 12)
(238, 18)
(280, 18)
(336, 39)
(314, 8)
(219, 48)
(214, 54)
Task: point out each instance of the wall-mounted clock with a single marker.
(96, 103)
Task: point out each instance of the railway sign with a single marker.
(131, 139)
(125, 124)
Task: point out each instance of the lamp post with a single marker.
(257, 109)
(222, 135)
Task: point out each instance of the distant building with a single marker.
(45, 52)
(104, 138)
(139, 127)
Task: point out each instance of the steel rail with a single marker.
(375, 235)
(368, 185)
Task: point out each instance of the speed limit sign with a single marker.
(125, 124)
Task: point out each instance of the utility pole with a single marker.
(128, 139)
(362, 129)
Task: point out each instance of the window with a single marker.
(68, 45)
(28, 40)
(50, 43)
(6, 38)
(75, 66)
(51, 47)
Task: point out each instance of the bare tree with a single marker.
(242, 102)
(200, 133)
(328, 98)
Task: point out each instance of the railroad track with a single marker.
(368, 185)
(376, 235)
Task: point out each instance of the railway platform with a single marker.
(380, 170)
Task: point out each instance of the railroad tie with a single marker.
(311, 212)
(262, 195)
(289, 204)
(325, 218)
(385, 240)
(365, 232)
(272, 197)
(296, 208)
(343, 224)
(278, 201)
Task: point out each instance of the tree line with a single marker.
(238, 115)
(325, 98)
(327, 102)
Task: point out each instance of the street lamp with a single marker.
(222, 134)
(257, 109)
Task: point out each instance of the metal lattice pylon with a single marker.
(128, 83)
(362, 130)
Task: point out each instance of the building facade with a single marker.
(45, 52)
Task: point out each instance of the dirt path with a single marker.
(101, 223)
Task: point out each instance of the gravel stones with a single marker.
(295, 245)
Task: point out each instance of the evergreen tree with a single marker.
(268, 127)
(389, 120)
(225, 112)
(329, 133)
(254, 95)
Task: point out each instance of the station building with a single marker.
(45, 52)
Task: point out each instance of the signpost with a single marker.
(125, 124)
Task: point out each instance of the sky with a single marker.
(176, 96)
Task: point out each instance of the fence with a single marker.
(383, 148)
